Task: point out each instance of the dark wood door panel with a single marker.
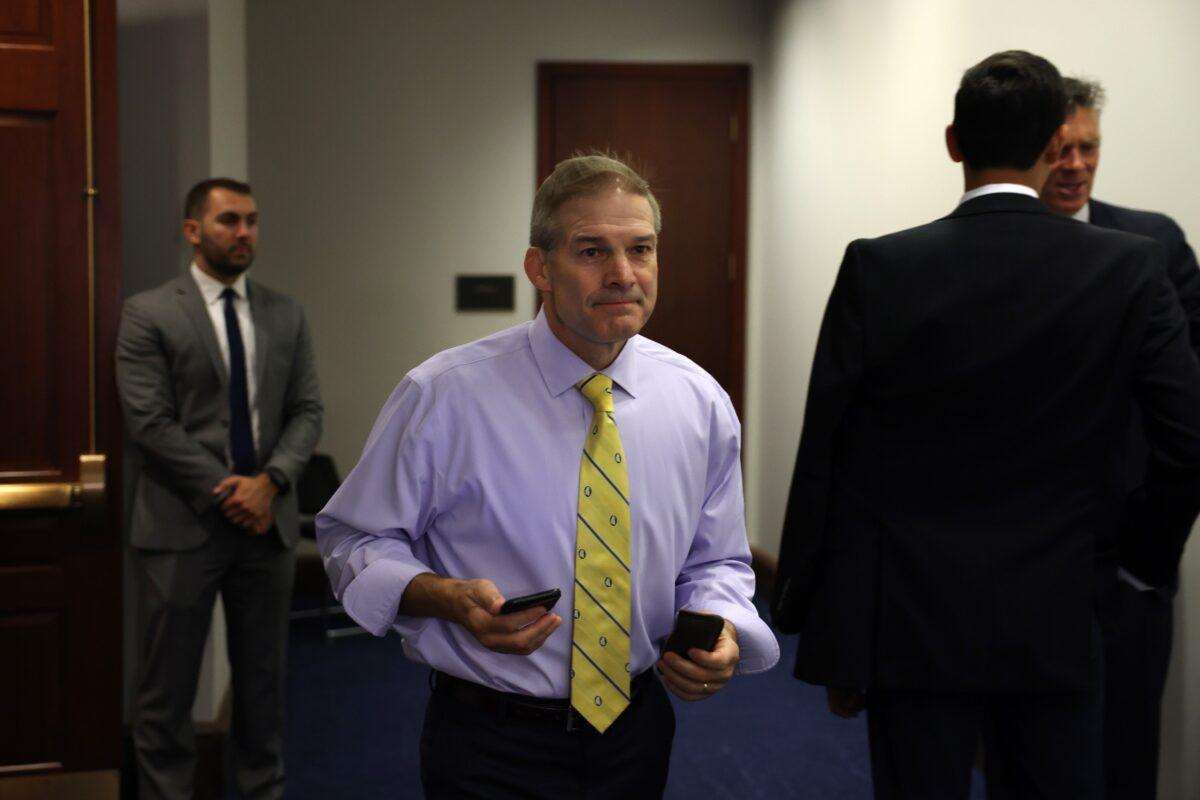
(31, 720)
(25, 21)
(36, 87)
(60, 623)
(28, 306)
(682, 127)
(38, 40)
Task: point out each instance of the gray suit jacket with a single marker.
(174, 391)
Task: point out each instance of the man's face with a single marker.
(225, 235)
(600, 283)
(1070, 184)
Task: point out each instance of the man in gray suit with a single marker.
(219, 387)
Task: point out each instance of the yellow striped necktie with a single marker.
(600, 639)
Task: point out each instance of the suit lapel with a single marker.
(189, 297)
(1101, 214)
(259, 311)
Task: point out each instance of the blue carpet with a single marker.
(355, 709)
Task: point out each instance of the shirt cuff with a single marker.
(373, 598)
(757, 643)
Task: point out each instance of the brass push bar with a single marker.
(87, 493)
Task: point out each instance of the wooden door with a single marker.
(60, 541)
(685, 128)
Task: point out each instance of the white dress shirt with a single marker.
(997, 188)
(210, 290)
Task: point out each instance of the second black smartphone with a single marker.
(693, 629)
(545, 599)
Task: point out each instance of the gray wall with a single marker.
(164, 97)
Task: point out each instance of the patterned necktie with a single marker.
(241, 438)
(600, 641)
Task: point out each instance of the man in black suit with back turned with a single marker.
(962, 450)
(1135, 616)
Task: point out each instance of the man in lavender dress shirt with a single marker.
(466, 494)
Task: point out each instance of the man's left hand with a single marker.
(248, 504)
(703, 673)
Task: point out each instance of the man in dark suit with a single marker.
(962, 447)
(1136, 618)
(219, 387)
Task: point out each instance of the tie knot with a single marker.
(597, 388)
(228, 294)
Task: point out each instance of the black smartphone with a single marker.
(693, 629)
(545, 599)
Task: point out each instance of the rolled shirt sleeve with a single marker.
(369, 532)
(717, 577)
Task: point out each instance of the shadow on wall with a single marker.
(163, 63)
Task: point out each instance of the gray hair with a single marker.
(582, 176)
(1083, 94)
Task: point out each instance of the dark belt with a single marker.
(511, 705)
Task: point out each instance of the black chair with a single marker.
(317, 484)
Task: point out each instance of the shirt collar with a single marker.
(1084, 214)
(561, 369)
(211, 288)
(997, 188)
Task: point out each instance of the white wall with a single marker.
(860, 95)
(393, 145)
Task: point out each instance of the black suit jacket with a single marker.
(1184, 275)
(1182, 269)
(964, 447)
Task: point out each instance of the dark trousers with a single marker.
(1036, 745)
(254, 575)
(469, 752)
(1137, 652)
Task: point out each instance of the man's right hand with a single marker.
(475, 605)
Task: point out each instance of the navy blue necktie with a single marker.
(241, 437)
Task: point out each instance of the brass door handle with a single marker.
(87, 493)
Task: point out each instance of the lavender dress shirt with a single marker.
(472, 471)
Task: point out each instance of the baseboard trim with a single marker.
(95, 785)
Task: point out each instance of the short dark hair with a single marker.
(1083, 93)
(197, 197)
(1006, 109)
